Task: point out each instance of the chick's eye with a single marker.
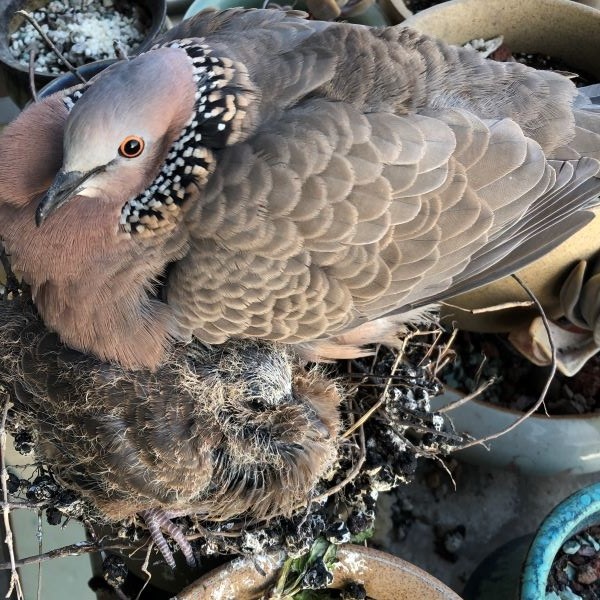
(131, 146)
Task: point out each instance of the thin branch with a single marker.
(146, 570)
(468, 398)
(494, 308)
(542, 397)
(50, 43)
(351, 475)
(120, 50)
(40, 548)
(22, 505)
(15, 581)
(383, 396)
(32, 75)
(71, 550)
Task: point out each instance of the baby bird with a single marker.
(239, 430)
(289, 180)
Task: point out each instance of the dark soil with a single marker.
(419, 5)
(543, 62)
(577, 566)
(481, 357)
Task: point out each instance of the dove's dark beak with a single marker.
(63, 188)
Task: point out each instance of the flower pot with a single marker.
(17, 75)
(532, 556)
(384, 576)
(560, 28)
(67, 80)
(539, 446)
(571, 32)
(373, 16)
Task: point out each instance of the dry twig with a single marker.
(32, 75)
(70, 550)
(51, 45)
(15, 581)
(542, 397)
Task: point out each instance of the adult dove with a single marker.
(236, 431)
(260, 175)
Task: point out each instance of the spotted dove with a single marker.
(259, 175)
(223, 432)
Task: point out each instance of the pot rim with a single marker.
(368, 558)
(432, 10)
(519, 413)
(573, 514)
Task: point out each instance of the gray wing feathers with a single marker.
(367, 190)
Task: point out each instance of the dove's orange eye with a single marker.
(131, 146)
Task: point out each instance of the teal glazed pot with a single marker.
(373, 16)
(519, 570)
(577, 512)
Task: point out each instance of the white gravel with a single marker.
(83, 30)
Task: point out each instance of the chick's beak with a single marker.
(63, 188)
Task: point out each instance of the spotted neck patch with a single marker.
(215, 121)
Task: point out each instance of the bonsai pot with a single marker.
(384, 576)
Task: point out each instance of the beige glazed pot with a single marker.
(384, 576)
(541, 445)
(402, 12)
(559, 28)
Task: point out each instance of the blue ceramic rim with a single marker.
(577, 512)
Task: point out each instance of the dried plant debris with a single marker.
(308, 577)
(82, 30)
(388, 425)
(485, 357)
(575, 573)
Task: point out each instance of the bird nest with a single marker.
(339, 466)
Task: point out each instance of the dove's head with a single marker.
(141, 135)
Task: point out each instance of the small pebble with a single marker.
(571, 547)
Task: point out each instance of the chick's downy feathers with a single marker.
(242, 430)
(287, 180)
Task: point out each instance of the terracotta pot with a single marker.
(544, 446)
(385, 577)
(559, 28)
(519, 570)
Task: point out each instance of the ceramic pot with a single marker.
(544, 446)
(559, 28)
(592, 3)
(519, 570)
(373, 16)
(384, 576)
(17, 75)
(67, 80)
